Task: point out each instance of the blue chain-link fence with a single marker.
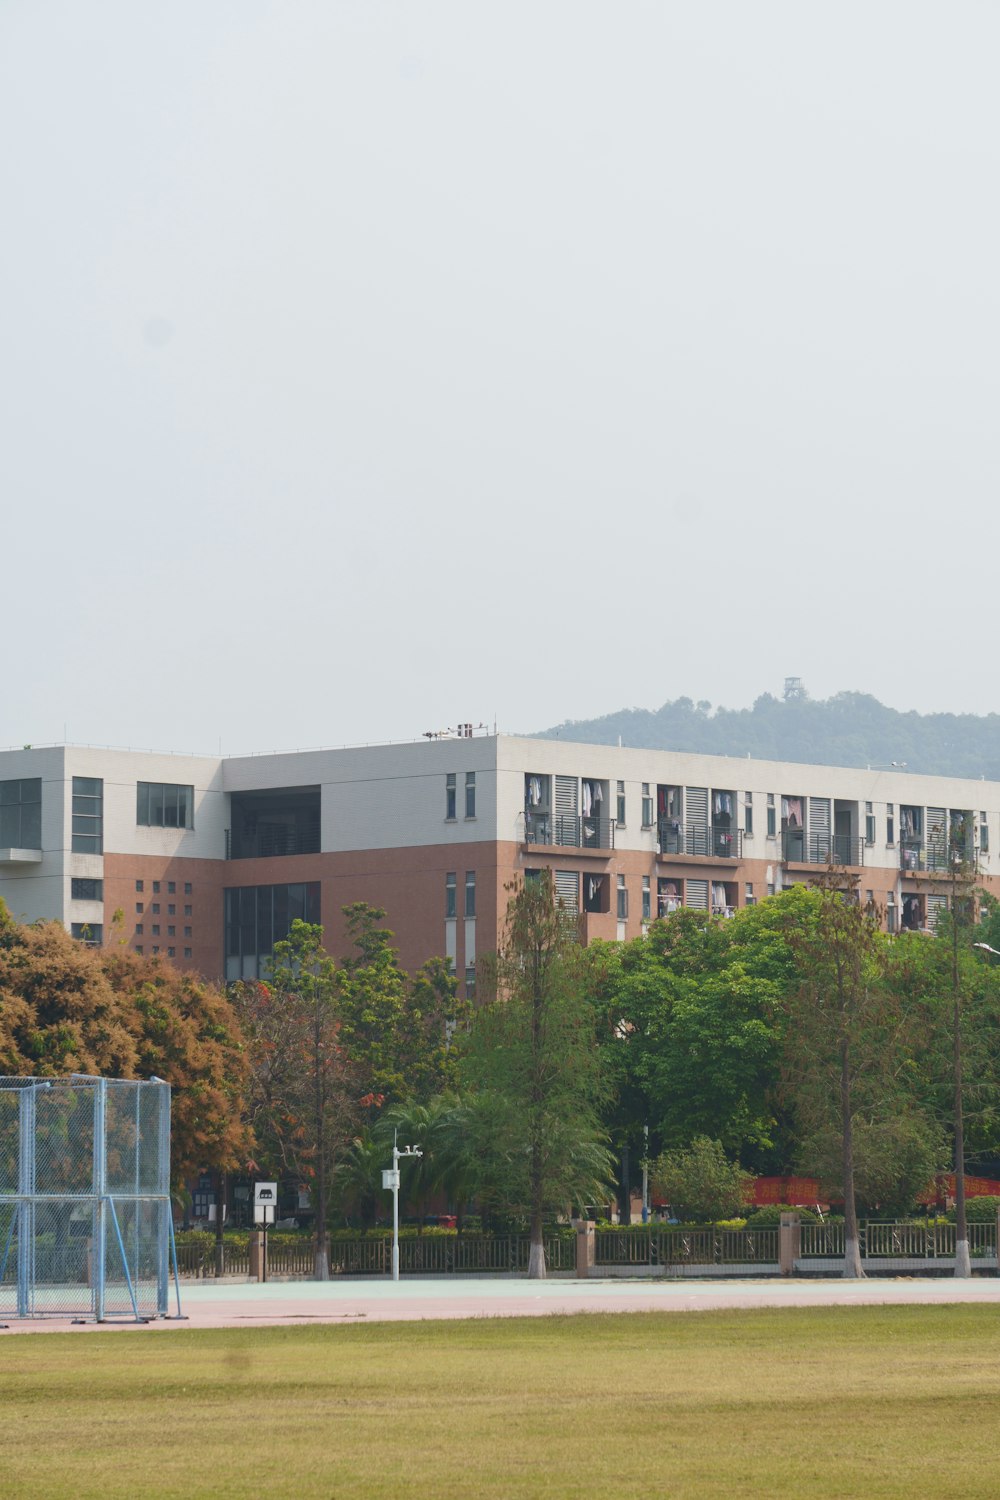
(85, 1222)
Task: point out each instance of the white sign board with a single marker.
(390, 1180)
(265, 1192)
(263, 1213)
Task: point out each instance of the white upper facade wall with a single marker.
(384, 796)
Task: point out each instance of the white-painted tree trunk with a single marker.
(852, 1259)
(536, 1262)
(321, 1265)
(963, 1261)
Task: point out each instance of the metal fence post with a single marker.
(100, 1194)
(25, 1203)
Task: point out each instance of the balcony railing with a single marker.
(708, 840)
(270, 843)
(936, 856)
(566, 831)
(799, 847)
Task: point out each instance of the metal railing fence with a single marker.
(675, 1246)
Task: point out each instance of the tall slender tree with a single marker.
(532, 1055)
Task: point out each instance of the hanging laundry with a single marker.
(598, 792)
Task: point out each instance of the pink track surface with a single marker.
(248, 1305)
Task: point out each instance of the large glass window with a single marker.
(470, 893)
(161, 804)
(21, 814)
(450, 794)
(470, 794)
(86, 890)
(88, 815)
(91, 933)
(257, 917)
(451, 894)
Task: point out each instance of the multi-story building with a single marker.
(206, 860)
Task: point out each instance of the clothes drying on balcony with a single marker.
(593, 795)
(723, 804)
(791, 811)
(534, 790)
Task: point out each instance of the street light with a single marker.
(390, 1182)
(987, 949)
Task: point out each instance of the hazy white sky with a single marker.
(367, 366)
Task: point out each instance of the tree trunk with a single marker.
(536, 1252)
(625, 1190)
(963, 1263)
(852, 1246)
(321, 1264)
(220, 1225)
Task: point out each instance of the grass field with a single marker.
(806, 1402)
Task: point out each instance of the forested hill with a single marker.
(849, 729)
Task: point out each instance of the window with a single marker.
(869, 824)
(647, 806)
(139, 948)
(155, 948)
(622, 899)
(470, 982)
(749, 899)
(890, 912)
(91, 933)
(187, 911)
(139, 885)
(772, 821)
(451, 894)
(187, 952)
(171, 887)
(171, 932)
(450, 795)
(187, 887)
(257, 917)
(88, 815)
(748, 812)
(160, 804)
(187, 932)
(171, 952)
(984, 834)
(621, 804)
(155, 929)
(156, 887)
(21, 814)
(470, 893)
(890, 824)
(138, 929)
(171, 909)
(770, 887)
(470, 794)
(647, 900)
(155, 908)
(86, 890)
(139, 906)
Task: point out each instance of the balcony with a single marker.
(800, 848)
(271, 843)
(699, 840)
(935, 858)
(563, 831)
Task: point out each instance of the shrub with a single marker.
(769, 1215)
(977, 1210)
(700, 1182)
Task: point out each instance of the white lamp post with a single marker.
(390, 1182)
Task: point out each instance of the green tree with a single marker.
(314, 1111)
(700, 1183)
(848, 1070)
(531, 1055)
